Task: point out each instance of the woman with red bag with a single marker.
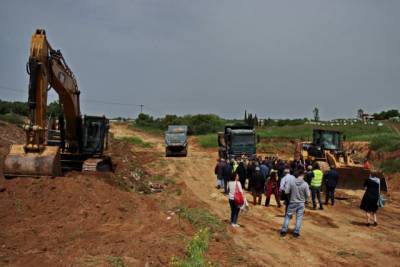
(236, 198)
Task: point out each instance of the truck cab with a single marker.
(236, 141)
(176, 143)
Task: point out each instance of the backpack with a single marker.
(238, 196)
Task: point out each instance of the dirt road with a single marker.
(335, 236)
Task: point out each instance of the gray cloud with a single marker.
(275, 58)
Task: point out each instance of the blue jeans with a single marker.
(297, 208)
(234, 211)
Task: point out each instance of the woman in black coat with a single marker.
(369, 202)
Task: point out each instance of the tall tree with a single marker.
(316, 114)
(360, 113)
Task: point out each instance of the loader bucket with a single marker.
(34, 164)
(354, 177)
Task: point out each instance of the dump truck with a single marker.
(326, 148)
(237, 141)
(78, 143)
(176, 142)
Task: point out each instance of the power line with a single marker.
(19, 91)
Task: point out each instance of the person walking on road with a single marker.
(233, 186)
(219, 168)
(272, 187)
(331, 179)
(316, 183)
(369, 202)
(298, 190)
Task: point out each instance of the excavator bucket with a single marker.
(354, 177)
(35, 164)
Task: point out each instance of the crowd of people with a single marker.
(292, 183)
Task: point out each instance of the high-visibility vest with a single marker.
(235, 167)
(317, 179)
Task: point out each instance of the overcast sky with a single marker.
(275, 58)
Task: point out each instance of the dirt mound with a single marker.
(101, 219)
(9, 134)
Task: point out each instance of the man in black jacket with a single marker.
(241, 171)
(331, 180)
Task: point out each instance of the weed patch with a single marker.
(135, 141)
(386, 143)
(195, 251)
(201, 218)
(164, 180)
(116, 261)
(391, 165)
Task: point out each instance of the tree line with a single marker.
(21, 108)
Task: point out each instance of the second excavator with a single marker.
(81, 141)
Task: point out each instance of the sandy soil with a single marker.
(336, 236)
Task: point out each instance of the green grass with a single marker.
(208, 140)
(147, 129)
(116, 261)
(391, 165)
(195, 251)
(201, 218)
(356, 132)
(386, 143)
(12, 118)
(135, 141)
(163, 179)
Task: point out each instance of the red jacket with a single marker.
(271, 187)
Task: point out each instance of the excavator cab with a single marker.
(95, 135)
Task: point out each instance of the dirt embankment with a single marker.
(9, 134)
(98, 219)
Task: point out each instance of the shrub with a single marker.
(12, 118)
(386, 143)
(391, 165)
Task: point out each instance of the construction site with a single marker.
(83, 182)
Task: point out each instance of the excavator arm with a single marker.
(47, 69)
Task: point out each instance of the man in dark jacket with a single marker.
(227, 174)
(331, 180)
(241, 171)
(258, 186)
(219, 168)
(250, 174)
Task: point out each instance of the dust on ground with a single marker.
(336, 236)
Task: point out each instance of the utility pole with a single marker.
(141, 108)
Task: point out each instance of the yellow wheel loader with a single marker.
(327, 149)
(78, 144)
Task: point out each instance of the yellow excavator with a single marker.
(327, 149)
(79, 142)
